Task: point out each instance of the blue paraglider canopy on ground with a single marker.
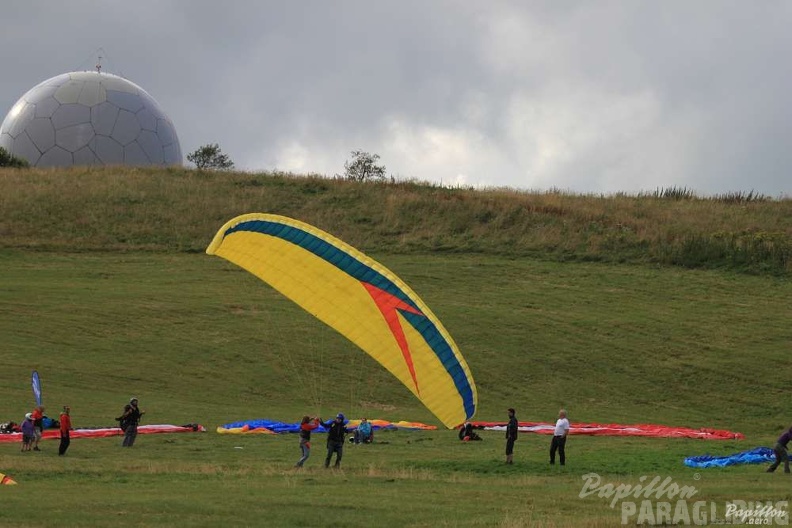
(277, 427)
(758, 455)
(273, 425)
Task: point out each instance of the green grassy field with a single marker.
(199, 340)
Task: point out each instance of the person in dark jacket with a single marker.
(307, 425)
(511, 436)
(781, 453)
(129, 422)
(336, 434)
(467, 434)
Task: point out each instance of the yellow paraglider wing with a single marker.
(361, 299)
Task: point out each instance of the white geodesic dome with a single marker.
(89, 118)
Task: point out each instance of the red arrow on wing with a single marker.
(388, 304)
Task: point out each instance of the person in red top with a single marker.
(307, 425)
(38, 425)
(65, 427)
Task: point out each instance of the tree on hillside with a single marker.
(9, 160)
(210, 157)
(363, 167)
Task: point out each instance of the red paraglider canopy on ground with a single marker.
(109, 431)
(651, 430)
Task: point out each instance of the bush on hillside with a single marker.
(210, 157)
(363, 167)
(9, 160)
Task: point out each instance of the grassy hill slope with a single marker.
(614, 343)
(178, 210)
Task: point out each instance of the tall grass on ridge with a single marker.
(175, 209)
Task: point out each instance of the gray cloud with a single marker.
(600, 96)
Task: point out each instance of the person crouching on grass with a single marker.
(364, 434)
(780, 450)
(307, 425)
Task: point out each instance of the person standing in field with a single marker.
(38, 425)
(129, 421)
(336, 433)
(559, 438)
(781, 453)
(511, 436)
(65, 427)
(307, 425)
(28, 432)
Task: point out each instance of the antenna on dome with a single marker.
(99, 64)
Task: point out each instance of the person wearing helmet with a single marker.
(129, 421)
(336, 434)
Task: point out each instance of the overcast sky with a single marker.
(585, 96)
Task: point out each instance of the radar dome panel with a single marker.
(89, 118)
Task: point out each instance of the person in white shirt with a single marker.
(559, 438)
